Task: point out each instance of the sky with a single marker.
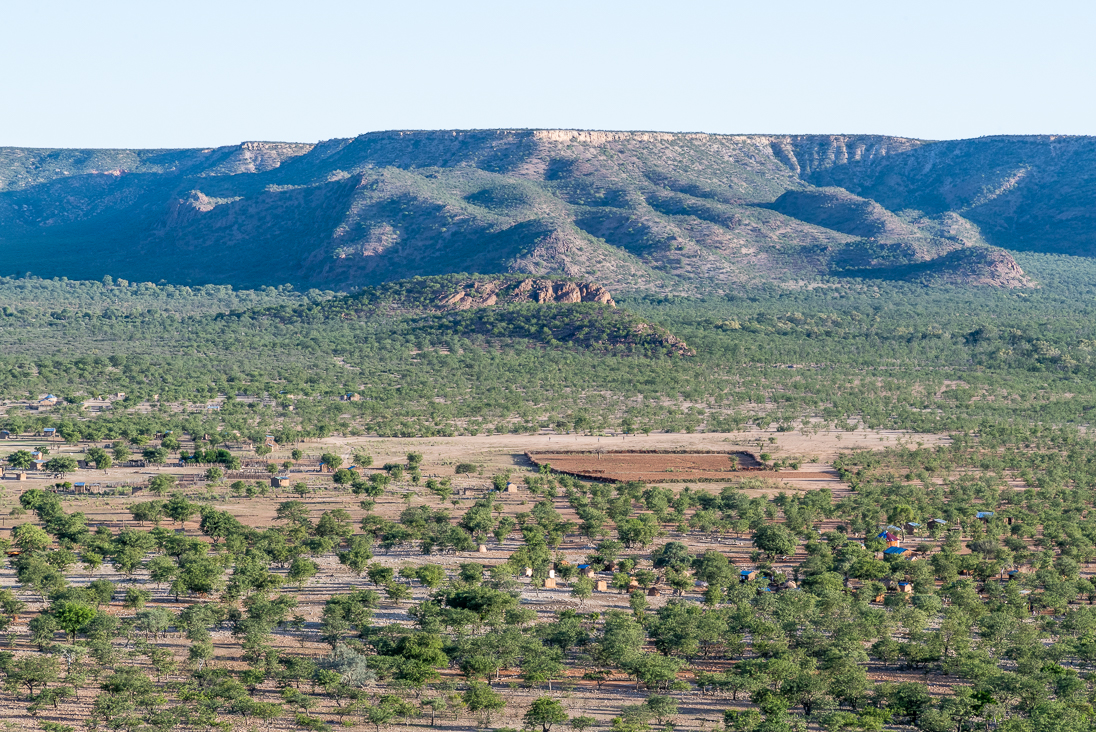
(200, 74)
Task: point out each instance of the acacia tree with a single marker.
(61, 464)
(331, 461)
(72, 617)
(100, 457)
(161, 484)
(774, 540)
(179, 509)
(21, 459)
(481, 699)
(544, 713)
(302, 570)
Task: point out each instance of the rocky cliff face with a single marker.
(492, 292)
(660, 212)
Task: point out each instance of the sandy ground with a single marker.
(496, 454)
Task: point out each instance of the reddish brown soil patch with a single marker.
(649, 466)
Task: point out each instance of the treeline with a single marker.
(930, 360)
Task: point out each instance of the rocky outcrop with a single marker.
(672, 343)
(543, 291)
(983, 266)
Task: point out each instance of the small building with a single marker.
(80, 487)
(905, 588)
(511, 488)
(895, 551)
(586, 570)
(984, 515)
(355, 397)
(550, 583)
(38, 465)
(482, 549)
(911, 527)
(269, 441)
(602, 586)
(892, 540)
(279, 481)
(653, 592)
(5, 434)
(49, 431)
(747, 575)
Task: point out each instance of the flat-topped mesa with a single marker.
(543, 291)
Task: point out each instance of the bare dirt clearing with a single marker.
(647, 466)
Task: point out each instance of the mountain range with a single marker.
(660, 212)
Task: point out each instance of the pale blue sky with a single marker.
(199, 73)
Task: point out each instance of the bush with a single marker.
(466, 468)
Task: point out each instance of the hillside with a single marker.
(520, 310)
(635, 211)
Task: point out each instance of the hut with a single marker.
(747, 575)
(890, 538)
(653, 592)
(586, 570)
(602, 586)
(895, 551)
(279, 481)
(911, 527)
(4, 434)
(984, 515)
(482, 549)
(511, 487)
(905, 588)
(550, 583)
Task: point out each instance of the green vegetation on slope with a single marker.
(697, 214)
